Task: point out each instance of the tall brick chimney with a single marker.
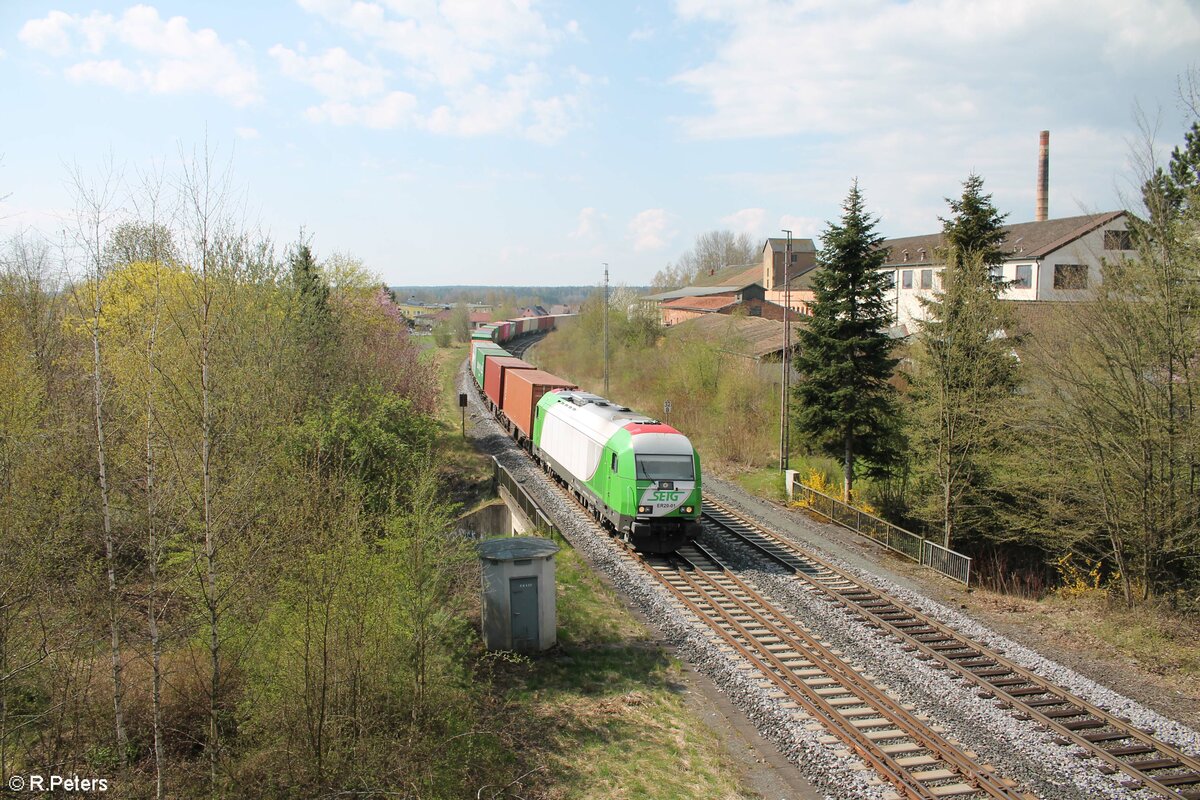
(1043, 186)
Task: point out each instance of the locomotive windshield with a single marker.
(665, 468)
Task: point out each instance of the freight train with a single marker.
(638, 477)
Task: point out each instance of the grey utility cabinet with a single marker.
(518, 593)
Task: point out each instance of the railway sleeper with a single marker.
(927, 775)
(1013, 681)
(1179, 780)
(1132, 750)
(1083, 724)
(1068, 710)
(953, 790)
(1155, 763)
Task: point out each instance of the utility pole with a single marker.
(785, 381)
(606, 329)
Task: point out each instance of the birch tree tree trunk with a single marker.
(95, 211)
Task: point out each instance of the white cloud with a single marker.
(590, 224)
(50, 34)
(106, 73)
(748, 220)
(471, 68)
(247, 133)
(912, 97)
(334, 73)
(649, 230)
(878, 65)
(801, 227)
(160, 56)
(393, 110)
(643, 34)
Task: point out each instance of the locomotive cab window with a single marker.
(614, 462)
(665, 468)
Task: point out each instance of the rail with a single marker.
(952, 564)
(541, 523)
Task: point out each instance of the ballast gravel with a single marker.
(1018, 749)
(959, 702)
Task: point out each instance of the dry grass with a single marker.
(605, 713)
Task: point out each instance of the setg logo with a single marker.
(664, 497)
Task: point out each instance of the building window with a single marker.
(889, 280)
(1024, 277)
(906, 278)
(1070, 276)
(795, 257)
(1117, 240)
(996, 271)
(754, 311)
(926, 279)
(906, 255)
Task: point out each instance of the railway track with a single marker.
(1115, 744)
(901, 747)
(518, 346)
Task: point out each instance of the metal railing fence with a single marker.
(953, 565)
(541, 523)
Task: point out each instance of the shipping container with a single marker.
(483, 333)
(523, 388)
(477, 343)
(480, 353)
(495, 371)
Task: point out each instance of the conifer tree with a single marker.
(846, 407)
(312, 319)
(963, 381)
(975, 227)
(964, 373)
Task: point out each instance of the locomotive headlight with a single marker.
(643, 509)
(688, 509)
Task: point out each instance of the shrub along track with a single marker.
(1114, 742)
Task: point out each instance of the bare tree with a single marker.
(95, 213)
(712, 252)
(155, 248)
(205, 195)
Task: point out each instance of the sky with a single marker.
(515, 142)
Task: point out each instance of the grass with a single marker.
(767, 482)
(469, 473)
(1161, 641)
(605, 711)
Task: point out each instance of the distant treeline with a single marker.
(501, 295)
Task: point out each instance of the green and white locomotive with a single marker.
(635, 474)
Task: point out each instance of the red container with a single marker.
(495, 370)
(523, 388)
